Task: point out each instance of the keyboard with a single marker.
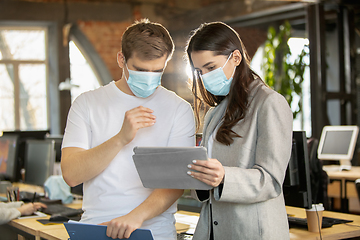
(326, 222)
(62, 210)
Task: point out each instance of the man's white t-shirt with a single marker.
(98, 115)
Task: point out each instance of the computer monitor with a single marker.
(297, 184)
(39, 161)
(34, 134)
(8, 157)
(338, 143)
(22, 137)
(77, 190)
(58, 141)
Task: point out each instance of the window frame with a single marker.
(16, 63)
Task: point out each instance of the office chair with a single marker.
(319, 178)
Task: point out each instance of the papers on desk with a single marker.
(82, 231)
(34, 215)
(188, 220)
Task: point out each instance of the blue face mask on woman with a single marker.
(216, 81)
(143, 84)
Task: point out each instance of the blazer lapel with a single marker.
(213, 119)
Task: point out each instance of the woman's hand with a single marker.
(210, 172)
(30, 208)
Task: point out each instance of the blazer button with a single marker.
(216, 223)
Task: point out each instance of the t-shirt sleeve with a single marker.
(77, 131)
(183, 129)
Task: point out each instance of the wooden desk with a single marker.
(38, 230)
(342, 185)
(57, 233)
(29, 188)
(338, 231)
(30, 225)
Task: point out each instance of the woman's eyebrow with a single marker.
(207, 64)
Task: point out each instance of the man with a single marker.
(105, 125)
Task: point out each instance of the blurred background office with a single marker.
(53, 50)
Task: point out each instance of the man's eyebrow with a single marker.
(146, 70)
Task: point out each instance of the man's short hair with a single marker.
(149, 41)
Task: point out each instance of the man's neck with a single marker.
(123, 86)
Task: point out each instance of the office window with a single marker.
(23, 79)
(83, 78)
(303, 120)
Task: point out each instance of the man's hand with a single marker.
(122, 227)
(136, 118)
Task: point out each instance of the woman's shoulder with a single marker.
(260, 92)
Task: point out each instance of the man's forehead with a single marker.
(149, 65)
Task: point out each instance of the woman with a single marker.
(248, 134)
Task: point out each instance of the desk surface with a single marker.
(339, 231)
(334, 173)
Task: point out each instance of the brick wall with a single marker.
(106, 39)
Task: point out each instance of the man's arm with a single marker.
(158, 202)
(79, 165)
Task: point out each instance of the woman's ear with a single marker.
(237, 57)
(120, 59)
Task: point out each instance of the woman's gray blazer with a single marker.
(250, 203)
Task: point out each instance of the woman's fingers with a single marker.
(210, 172)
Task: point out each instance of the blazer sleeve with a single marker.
(272, 152)
(8, 211)
(203, 195)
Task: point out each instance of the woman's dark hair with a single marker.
(222, 40)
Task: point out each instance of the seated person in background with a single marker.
(12, 210)
(105, 125)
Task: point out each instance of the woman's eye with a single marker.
(211, 68)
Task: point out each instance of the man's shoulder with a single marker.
(95, 93)
(171, 96)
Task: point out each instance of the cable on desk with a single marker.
(353, 225)
(319, 226)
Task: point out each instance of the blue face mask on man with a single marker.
(143, 84)
(216, 81)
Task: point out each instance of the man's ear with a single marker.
(237, 57)
(120, 59)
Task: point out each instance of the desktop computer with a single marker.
(338, 143)
(22, 136)
(297, 184)
(8, 157)
(39, 161)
